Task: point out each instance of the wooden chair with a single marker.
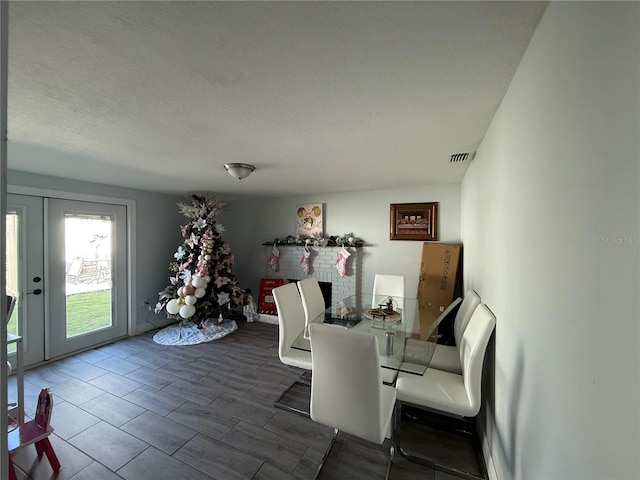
(35, 432)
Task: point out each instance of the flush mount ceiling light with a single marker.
(239, 170)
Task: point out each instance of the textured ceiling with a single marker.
(320, 97)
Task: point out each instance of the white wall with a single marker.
(366, 214)
(157, 234)
(550, 224)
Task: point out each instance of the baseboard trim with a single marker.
(149, 326)
(486, 448)
(266, 318)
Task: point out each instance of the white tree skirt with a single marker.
(178, 334)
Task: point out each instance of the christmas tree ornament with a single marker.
(173, 307)
(187, 311)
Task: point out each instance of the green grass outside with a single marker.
(88, 311)
(12, 327)
(85, 312)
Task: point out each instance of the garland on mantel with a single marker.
(347, 240)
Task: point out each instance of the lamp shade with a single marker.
(239, 170)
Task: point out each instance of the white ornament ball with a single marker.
(190, 299)
(199, 293)
(198, 282)
(207, 257)
(207, 279)
(187, 311)
(173, 307)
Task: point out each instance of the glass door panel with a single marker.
(12, 234)
(88, 246)
(87, 295)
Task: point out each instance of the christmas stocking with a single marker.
(341, 263)
(274, 259)
(305, 264)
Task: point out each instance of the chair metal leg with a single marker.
(390, 462)
(435, 465)
(278, 403)
(326, 453)
(392, 448)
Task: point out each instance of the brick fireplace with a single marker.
(323, 260)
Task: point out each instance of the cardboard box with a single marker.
(438, 277)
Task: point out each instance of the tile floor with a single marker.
(136, 410)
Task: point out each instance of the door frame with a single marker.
(30, 215)
(132, 315)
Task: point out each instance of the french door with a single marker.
(66, 263)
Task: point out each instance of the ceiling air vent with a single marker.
(461, 157)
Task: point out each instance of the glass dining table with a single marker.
(406, 329)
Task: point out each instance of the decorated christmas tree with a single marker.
(202, 285)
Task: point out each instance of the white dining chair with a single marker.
(447, 357)
(388, 376)
(446, 393)
(388, 285)
(347, 393)
(414, 350)
(290, 324)
(312, 299)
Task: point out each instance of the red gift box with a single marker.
(266, 303)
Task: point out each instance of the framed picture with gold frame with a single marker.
(413, 221)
